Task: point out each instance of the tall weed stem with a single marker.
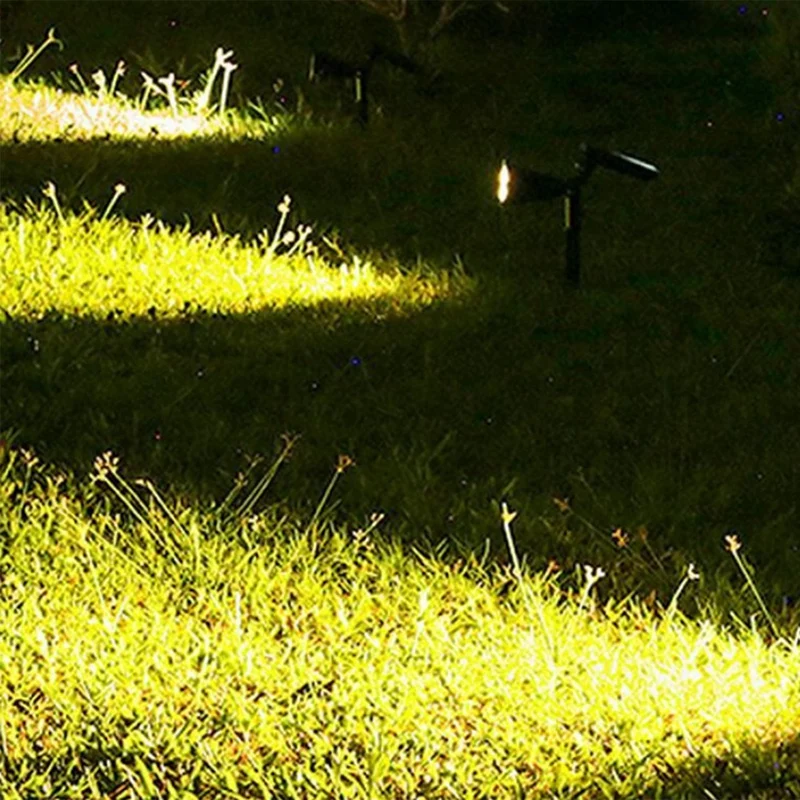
(32, 54)
(49, 191)
(733, 545)
(343, 463)
(532, 605)
(691, 575)
(249, 502)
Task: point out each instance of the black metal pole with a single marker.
(572, 228)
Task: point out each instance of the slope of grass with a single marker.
(367, 630)
(92, 266)
(153, 649)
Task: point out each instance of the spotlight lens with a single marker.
(503, 181)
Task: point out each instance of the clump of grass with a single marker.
(154, 648)
(221, 273)
(36, 111)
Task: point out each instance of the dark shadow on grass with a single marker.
(618, 402)
(338, 179)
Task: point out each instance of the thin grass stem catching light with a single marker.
(119, 71)
(691, 575)
(592, 575)
(119, 190)
(249, 503)
(76, 71)
(344, 463)
(532, 603)
(49, 191)
(169, 85)
(228, 67)
(733, 545)
(33, 54)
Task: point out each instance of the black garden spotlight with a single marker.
(323, 65)
(517, 185)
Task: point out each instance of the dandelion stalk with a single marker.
(220, 58)
(30, 460)
(691, 575)
(76, 71)
(99, 79)
(119, 71)
(170, 514)
(258, 490)
(49, 191)
(107, 465)
(283, 210)
(169, 84)
(150, 87)
(228, 68)
(593, 576)
(205, 97)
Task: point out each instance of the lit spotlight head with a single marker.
(623, 163)
(516, 185)
(503, 182)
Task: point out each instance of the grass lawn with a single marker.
(318, 481)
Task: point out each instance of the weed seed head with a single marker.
(562, 505)
(506, 515)
(620, 537)
(106, 464)
(99, 79)
(593, 575)
(553, 568)
(732, 543)
(344, 463)
(29, 458)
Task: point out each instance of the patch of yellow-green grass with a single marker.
(149, 649)
(36, 111)
(90, 265)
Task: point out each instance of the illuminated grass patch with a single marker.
(36, 111)
(149, 648)
(90, 265)
(307, 638)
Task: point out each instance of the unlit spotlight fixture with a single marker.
(324, 65)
